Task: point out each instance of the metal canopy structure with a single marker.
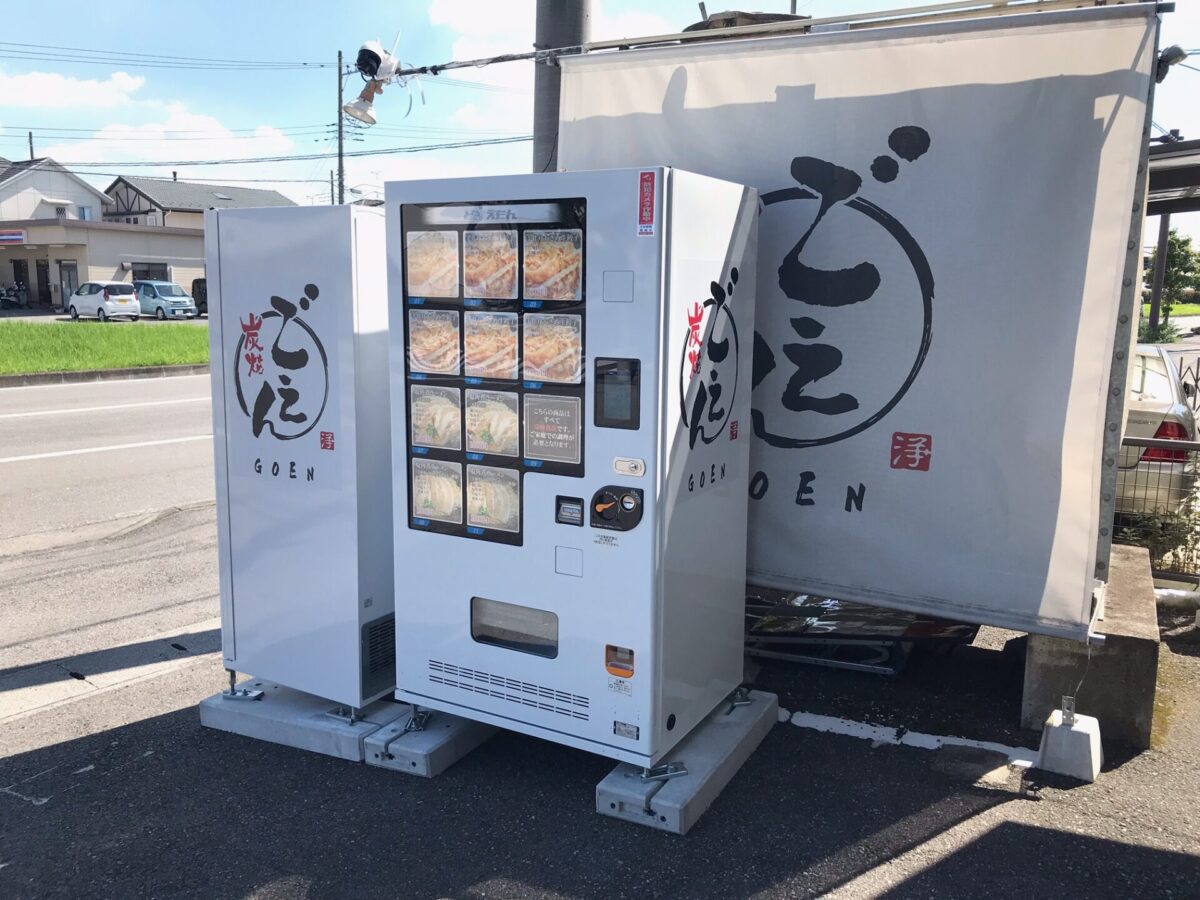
(1174, 178)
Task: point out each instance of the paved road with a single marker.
(107, 537)
(82, 453)
(109, 787)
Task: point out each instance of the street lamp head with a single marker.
(360, 109)
(1167, 58)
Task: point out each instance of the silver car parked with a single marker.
(1154, 481)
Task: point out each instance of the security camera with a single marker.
(375, 63)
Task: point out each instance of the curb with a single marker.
(100, 375)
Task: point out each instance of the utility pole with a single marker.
(31, 145)
(341, 137)
(1160, 268)
(331, 187)
(560, 23)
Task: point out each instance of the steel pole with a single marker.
(560, 23)
(341, 198)
(1160, 268)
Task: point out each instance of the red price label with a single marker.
(646, 203)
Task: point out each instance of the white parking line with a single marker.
(82, 450)
(85, 409)
(884, 734)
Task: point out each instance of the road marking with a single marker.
(884, 734)
(82, 450)
(85, 409)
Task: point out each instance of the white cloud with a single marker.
(160, 141)
(207, 138)
(44, 90)
(630, 24)
(488, 29)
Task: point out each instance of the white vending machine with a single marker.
(570, 384)
(298, 334)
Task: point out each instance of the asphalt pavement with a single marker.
(75, 454)
(109, 787)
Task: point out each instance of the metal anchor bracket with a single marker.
(740, 697)
(1068, 710)
(351, 715)
(236, 693)
(661, 772)
(416, 722)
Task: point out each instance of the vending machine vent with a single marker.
(379, 654)
(535, 696)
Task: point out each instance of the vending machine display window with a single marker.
(495, 329)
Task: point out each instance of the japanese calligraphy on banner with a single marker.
(945, 211)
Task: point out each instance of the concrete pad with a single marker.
(1121, 679)
(295, 719)
(1072, 750)
(443, 741)
(712, 754)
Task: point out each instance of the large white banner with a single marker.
(945, 217)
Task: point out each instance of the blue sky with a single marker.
(121, 111)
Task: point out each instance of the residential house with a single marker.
(57, 231)
(179, 204)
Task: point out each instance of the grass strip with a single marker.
(30, 347)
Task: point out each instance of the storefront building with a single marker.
(53, 257)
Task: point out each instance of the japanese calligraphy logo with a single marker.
(864, 284)
(281, 365)
(709, 363)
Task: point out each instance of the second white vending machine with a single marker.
(570, 387)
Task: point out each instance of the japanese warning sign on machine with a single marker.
(944, 212)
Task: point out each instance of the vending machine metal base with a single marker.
(570, 387)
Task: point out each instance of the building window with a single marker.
(60, 212)
(150, 272)
(85, 213)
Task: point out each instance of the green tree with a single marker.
(1183, 271)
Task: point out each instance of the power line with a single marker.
(48, 51)
(66, 133)
(159, 55)
(483, 142)
(216, 182)
(132, 63)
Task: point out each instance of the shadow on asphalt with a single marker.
(1088, 866)
(972, 692)
(168, 808)
(126, 656)
(163, 807)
